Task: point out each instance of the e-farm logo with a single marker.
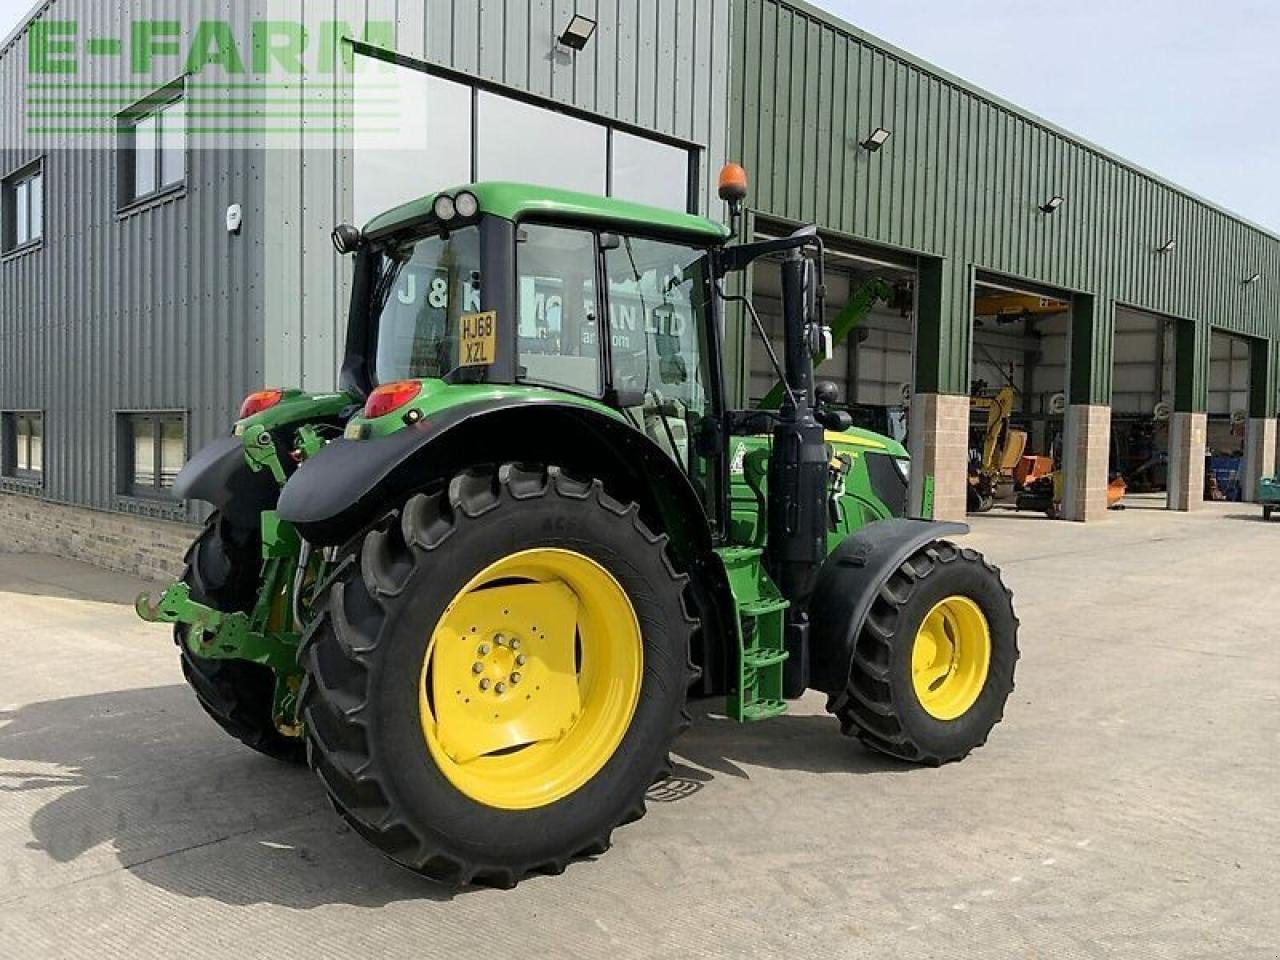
(258, 76)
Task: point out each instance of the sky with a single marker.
(1185, 88)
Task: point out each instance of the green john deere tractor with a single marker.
(477, 587)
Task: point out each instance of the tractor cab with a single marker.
(502, 286)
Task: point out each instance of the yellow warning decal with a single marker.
(479, 338)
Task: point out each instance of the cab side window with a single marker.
(659, 305)
(558, 330)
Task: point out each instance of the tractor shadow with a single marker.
(185, 808)
(715, 745)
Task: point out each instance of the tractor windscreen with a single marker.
(424, 288)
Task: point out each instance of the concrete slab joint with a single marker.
(939, 448)
(1187, 432)
(1086, 462)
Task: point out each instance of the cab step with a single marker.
(757, 692)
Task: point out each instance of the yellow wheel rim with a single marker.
(950, 657)
(531, 679)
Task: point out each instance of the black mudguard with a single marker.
(219, 474)
(847, 585)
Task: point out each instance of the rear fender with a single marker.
(220, 474)
(847, 585)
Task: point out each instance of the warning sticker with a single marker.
(479, 339)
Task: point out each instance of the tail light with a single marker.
(390, 397)
(257, 402)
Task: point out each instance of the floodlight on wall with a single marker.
(578, 33)
(1167, 247)
(879, 137)
(1053, 203)
(1253, 279)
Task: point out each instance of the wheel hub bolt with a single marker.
(484, 684)
(500, 640)
(500, 688)
(515, 678)
(477, 668)
(515, 644)
(521, 660)
(483, 650)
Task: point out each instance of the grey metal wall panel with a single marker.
(159, 309)
(962, 178)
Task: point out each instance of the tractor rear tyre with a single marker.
(934, 662)
(497, 674)
(222, 571)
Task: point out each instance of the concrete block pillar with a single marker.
(1259, 455)
(1086, 459)
(1187, 433)
(938, 442)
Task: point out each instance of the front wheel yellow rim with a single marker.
(951, 657)
(531, 679)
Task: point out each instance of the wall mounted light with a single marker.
(1167, 247)
(1053, 203)
(579, 31)
(1254, 279)
(879, 137)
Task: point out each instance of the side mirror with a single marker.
(826, 393)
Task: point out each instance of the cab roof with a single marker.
(514, 201)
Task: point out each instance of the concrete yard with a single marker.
(1129, 806)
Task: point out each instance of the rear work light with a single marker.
(257, 402)
(390, 397)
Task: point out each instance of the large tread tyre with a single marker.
(364, 658)
(880, 705)
(222, 572)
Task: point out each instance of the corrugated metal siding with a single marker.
(659, 64)
(160, 309)
(962, 179)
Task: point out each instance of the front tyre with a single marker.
(934, 662)
(497, 675)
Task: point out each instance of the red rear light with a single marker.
(257, 402)
(390, 397)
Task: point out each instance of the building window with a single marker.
(527, 144)
(24, 207)
(153, 145)
(416, 132)
(154, 448)
(412, 133)
(646, 171)
(24, 445)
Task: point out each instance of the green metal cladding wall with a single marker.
(962, 179)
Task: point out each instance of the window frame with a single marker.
(23, 176)
(126, 461)
(151, 107)
(11, 470)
